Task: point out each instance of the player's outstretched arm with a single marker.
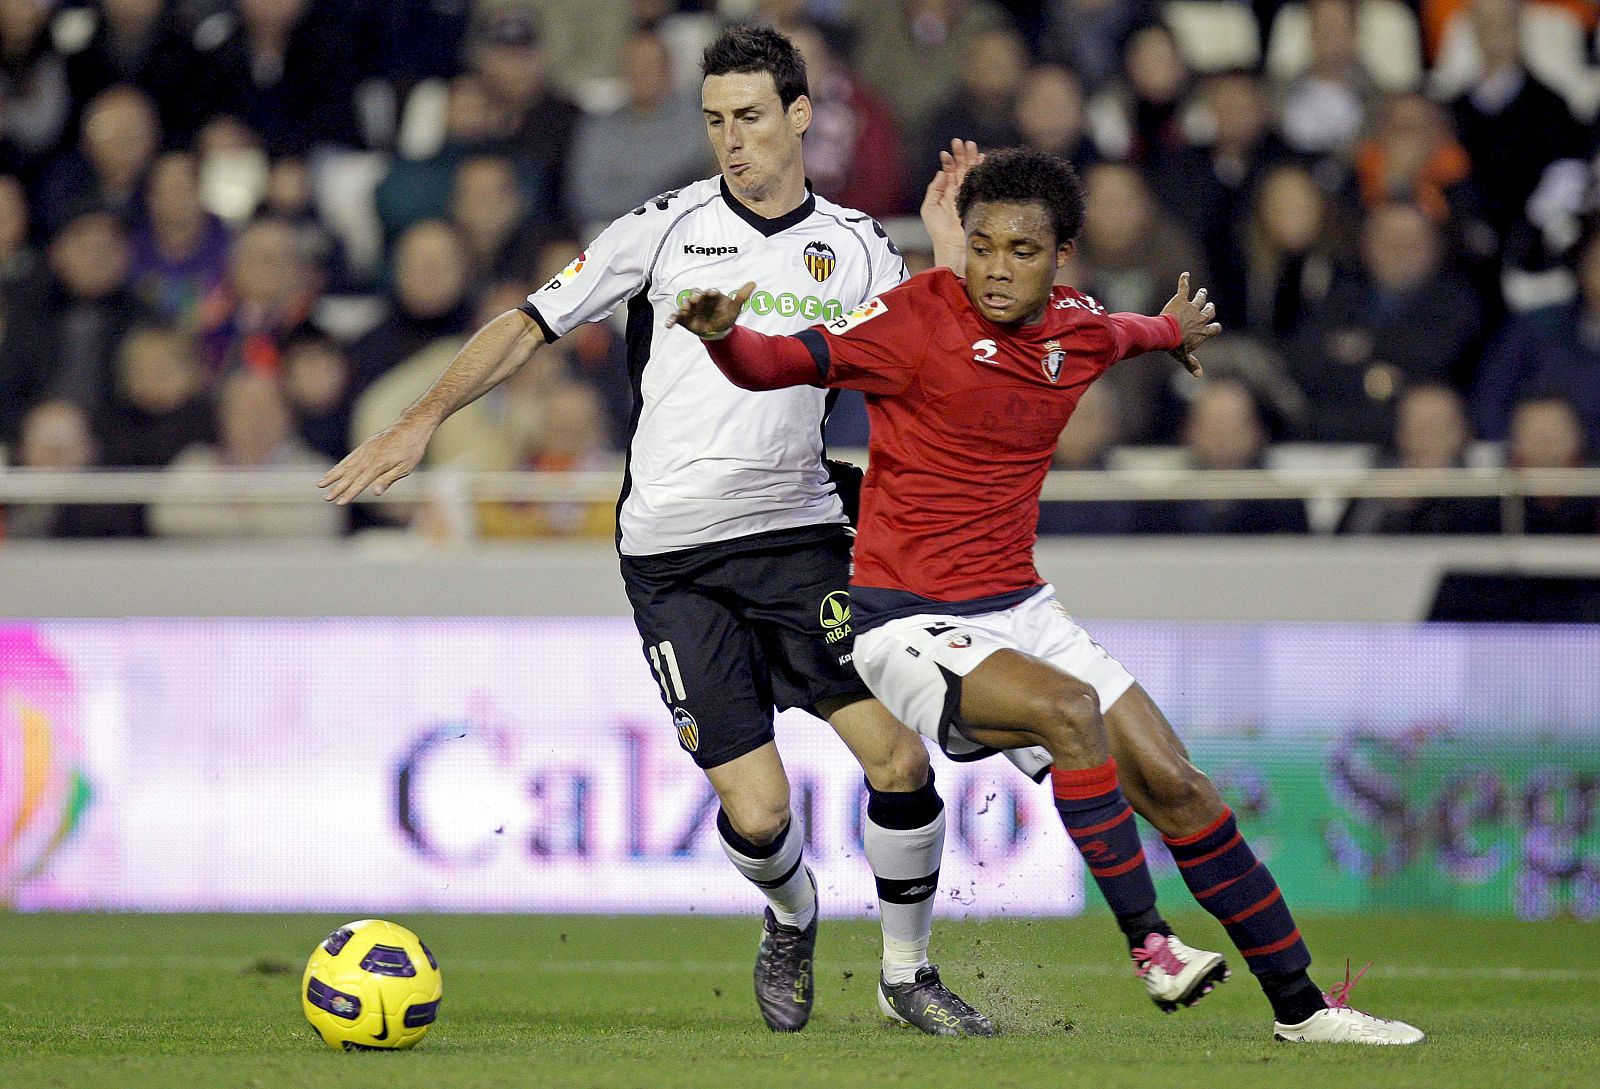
(1196, 318)
(495, 353)
(710, 314)
(749, 359)
(939, 216)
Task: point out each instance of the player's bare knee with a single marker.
(903, 768)
(759, 820)
(1068, 705)
(1180, 787)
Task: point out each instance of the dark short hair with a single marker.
(758, 49)
(1024, 176)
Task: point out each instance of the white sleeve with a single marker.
(613, 269)
(889, 269)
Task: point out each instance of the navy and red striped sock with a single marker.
(1101, 824)
(1232, 884)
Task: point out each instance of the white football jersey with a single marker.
(708, 461)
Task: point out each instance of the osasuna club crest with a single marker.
(820, 260)
(1054, 357)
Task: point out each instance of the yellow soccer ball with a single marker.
(371, 985)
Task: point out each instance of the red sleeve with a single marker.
(755, 361)
(876, 348)
(1136, 334)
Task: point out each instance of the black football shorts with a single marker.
(735, 629)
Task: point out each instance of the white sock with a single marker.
(905, 862)
(779, 874)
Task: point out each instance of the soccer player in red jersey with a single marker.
(969, 383)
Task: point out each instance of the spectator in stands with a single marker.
(1085, 446)
(1129, 257)
(1431, 432)
(118, 141)
(1324, 111)
(316, 380)
(180, 251)
(572, 439)
(255, 431)
(1224, 431)
(285, 68)
(1413, 158)
(1512, 125)
(417, 189)
(1156, 83)
(911, 52)
(159, 407)
(1292, 248)
(56, 435)
(1555, 348)
(622, 159)
(134, 42)
(982, 106)
(852, 148)
(290, 198)
(1401, 318)
(429, 302)
(1050, 115)
(18, 261)
(1211, 188)
(271, 290)
(1088, 36)
(1547, 434)
(491, 212)
(76, 314)
(33, 89)
(536, 123)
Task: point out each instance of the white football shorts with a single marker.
(914, 664)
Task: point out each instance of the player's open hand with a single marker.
(710, 314)
(939, 216)
(380, 461)
(1197, 318)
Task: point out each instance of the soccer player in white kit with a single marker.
(734, 543)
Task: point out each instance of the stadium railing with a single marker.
(1509, 486)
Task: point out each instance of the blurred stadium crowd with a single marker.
(249, 233)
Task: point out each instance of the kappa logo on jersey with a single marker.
(820, 260)
(567, 273)
(835, 616)
(688, 729)
(984, 351)
(1054, 357)
(873, 308)
(1067, 302)
(709, 251)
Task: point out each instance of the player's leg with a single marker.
(1225, 876)
(796, 600)
(707, 665)
(1173, 973)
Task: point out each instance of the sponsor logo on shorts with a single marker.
(961, 642)
(688, 729)
(835, 616)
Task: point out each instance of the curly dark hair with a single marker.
(758, 49)
(1023, 176)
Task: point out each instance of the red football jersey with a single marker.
(965, 415)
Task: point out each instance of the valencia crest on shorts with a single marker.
(820, 259)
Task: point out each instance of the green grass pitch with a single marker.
(209, 1001)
